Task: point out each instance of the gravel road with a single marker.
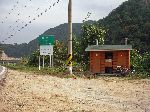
(24, 92)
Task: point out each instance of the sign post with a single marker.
(43, 61)
(46, 43)
(39, 63)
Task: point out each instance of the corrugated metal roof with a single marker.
(108, 47)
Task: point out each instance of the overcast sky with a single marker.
(15, 14)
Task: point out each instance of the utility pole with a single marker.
(69, 64)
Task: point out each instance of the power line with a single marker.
(10, 12)
(29, 22)
(87, 17)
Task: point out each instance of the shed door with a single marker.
(108, 59)
(96, 62)
(121, 59)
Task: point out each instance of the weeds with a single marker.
(62, 72)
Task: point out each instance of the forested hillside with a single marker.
(20, 50)
(60, 32)
(130, 20)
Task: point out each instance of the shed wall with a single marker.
(98, 62)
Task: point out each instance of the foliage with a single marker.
(76, 49)
(141, 63)
(59, 56)
(130, 20)
(19, 50)
(34, 59)
(60, 53)
(136, 59)
(146, 61)
(90, 33)
(44, 71)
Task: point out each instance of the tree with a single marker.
(60, 53)
(76, 49)
(90, 32)
(136, 60)
(141, 63)
(34, 58)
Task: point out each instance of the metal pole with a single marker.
(43, 61)
(39, 63)
(50, 60)
(70, 36)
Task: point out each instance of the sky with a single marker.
(21, 20)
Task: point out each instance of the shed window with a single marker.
(108, 55)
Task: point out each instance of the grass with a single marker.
(58, 72)
(140, 75)
(61, 72)
(44, 71)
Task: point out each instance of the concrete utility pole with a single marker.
(70, 36)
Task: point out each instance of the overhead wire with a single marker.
(5, 18)
(10, 27)
(30, 21)
(87, 17)
(10, 12)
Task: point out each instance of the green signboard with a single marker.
(46, 40)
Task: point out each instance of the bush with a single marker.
(141, 63)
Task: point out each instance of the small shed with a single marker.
(106, 58)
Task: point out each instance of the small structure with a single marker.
(8, 60)
(106, 58)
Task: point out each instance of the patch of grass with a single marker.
(139, 75)
(59, 72)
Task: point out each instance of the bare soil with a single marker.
(25, 92)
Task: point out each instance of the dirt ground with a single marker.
(24, 92)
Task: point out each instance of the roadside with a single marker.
(26, 92)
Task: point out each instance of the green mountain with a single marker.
(130, 20)
(60, 32)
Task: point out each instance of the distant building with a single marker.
(8, 60)
(106, 58)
